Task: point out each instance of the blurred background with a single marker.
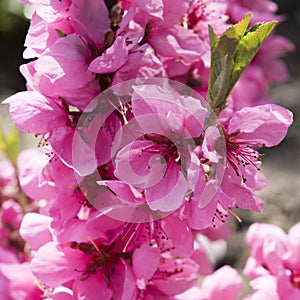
(281, 164)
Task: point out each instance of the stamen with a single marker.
(94, 244)
(130, 238)
(40, 285)
(235, 215)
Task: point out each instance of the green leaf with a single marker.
(10, 145)
(60, 33)
(230, 55)
(248, 47)
(222, 53)
(13, 144)
(212, 38)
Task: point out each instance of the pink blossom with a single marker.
(68, 56)
(268, 60)
(35, 183)
(35, 230)
(11, 244)
(204, 13)
(128, 182)
(8, 180)
(223, 283)
(11, 214)
(246, 130)
(42, 34)
(78, 97)
(51, 10)
(90, 20)
(112, 59)
(34, 113)
(273, 261)
(87, 265)
(20, 282)
(262, 10)
(178, 46)
(165, 125)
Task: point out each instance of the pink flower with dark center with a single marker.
(203, 13)
(157, 151)
(237, 175)
(249, 128)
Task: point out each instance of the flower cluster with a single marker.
(273, 264)
(137, 163)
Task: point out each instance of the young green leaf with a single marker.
(248, 47)
(10, 145)
(230, 55)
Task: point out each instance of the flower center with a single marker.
(135, 234)
(161, 145)
(196, 14)
(241, 155)
(295, 279)
(102, 260)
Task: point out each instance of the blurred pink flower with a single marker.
(224, 283)
(274, 262)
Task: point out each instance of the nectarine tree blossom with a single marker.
(150, 139)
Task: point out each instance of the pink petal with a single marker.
(111, 60)
(177, 42)
(225, 283)
(68, 56)
(42, 34)
(200, 218)
(177, 283)
(54, 267)
(35, 230)
(11, 214)
(90, 19)
(180, 235)
(139, 168)
(61, 142)
(264, 124)
(292, 257)
(34, 113)
(140, 64)
(31, 164)
(123, 282)
(265, 287)
(123, 190)
(21, 281)
(93, 287)
(169, 193)
(145, 261)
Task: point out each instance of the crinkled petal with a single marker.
(54, 267)
(93, 287)
(35, 230)
(145, 261)
(111, 60)
(264, 124)
(90, 19)
(34, 113)
(169, 193)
